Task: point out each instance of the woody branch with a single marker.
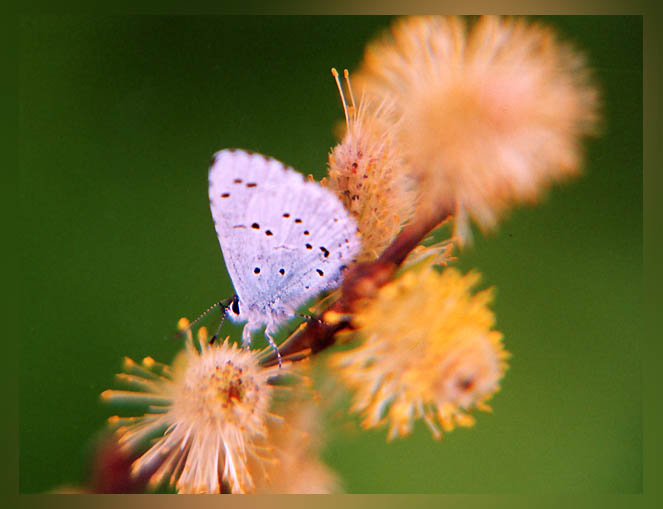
(361, 281)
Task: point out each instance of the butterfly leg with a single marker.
(246, 336)
(268, 334)
(309, 318)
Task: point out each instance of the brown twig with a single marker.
(362, 281)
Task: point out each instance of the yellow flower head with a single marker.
(428, 352)
(210, 408)
(485, 117)
(365, 173)
(297, 468)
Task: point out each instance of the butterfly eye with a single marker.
(235, 306)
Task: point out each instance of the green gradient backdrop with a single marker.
(118, 119)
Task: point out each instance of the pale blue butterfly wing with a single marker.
(284, 239)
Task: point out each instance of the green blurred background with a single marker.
(118, 119)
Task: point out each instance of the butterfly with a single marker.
(284, 238)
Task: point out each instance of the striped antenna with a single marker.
(222, 304)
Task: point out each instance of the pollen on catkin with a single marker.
(207, 413)
(428, 351)
(365, 173)
(485, 117)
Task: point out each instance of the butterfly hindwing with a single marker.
(284, 239)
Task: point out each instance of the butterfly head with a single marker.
(233, 310)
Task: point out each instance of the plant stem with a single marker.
(362, 281)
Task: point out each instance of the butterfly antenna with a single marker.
(218, 329)
(340, 91)
(223, 304)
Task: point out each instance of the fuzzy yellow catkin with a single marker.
(296, 441)
(428, 351)
(485, 116)
(365, 173)
(214, 402)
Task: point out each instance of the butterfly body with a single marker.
(284, 239)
